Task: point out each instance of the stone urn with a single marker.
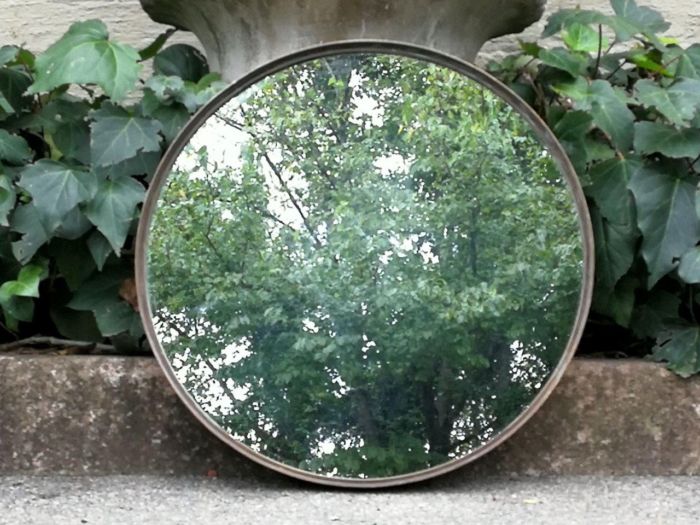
(240, 35)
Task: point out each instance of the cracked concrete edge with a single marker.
(108, 415)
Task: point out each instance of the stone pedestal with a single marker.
(240, 35)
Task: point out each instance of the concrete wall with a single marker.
(40, 22)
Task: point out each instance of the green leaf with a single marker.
(73, 225)
(8, 54)
(115, 318)
(76, 325)
(689, 268)
(568, 17)
(57, 188)
(119, 136)
(152, 50)
(181, 60)
(609, 189)
(580, 37)
(614, 250)
(666, 217)
(166, 89)
(114, 207)
(611, 114)
(641, 17)
(14, 149)
(172, 118)
(73, 141)
(680, 348)
(141, 164)
(684, 63)
(84, 55)
(36, 231)
(650, 318)
(100, 249)
(655, 137)
(99, 291)
(561, 58)
(678, 103)
(618, 305)
(73, 261)
(13, 85)
(27, 283)
(8, 198)
(573, 126)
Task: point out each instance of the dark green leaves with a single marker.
(118, 136)
(560, 58)
(689, 269)
(14, 149)
(114, 207)
(678, 103)
(580, 37)
(655, 137)
(85, 55)
(181, 61)
(611, 114)
(8, 197)
(681, 349)
(57, 188)
(666, 209)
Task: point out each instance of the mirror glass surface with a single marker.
(364, 265)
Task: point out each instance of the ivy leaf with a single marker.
(14, 149)
(119, 136)
(640, 17)
(680, 348)
(181, 60)
(8, 54)
(73, 261)
(573, 126)
(684, 63)
(611, 114)
(85, 55)
(614, 250)
(116, 318)
(165, 88)
(13, 85)
(27, 283)
(678, 103)
(100, 249)
(563, 59)
(650, 318)
(655, 137)
(689, 268)
(73, 141)
(113, 209)
(609, 189)
(152, 50)
(618, 305)
(666, 217)
(568, 17)
(8, 198)
(580, 37)
(57, 188)
(73, 225)
(173, 119)
(36, 231)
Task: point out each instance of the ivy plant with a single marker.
(80, 137)
(625, 103)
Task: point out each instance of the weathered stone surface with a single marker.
(102, 415)
(240, 35)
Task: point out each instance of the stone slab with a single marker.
(88, 415)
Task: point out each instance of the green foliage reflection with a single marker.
(364, 266)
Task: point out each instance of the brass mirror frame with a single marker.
(410, 51)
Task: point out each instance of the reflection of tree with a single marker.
(378, 279)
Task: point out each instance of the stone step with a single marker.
(89, 415)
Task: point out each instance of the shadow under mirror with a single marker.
(364, 265)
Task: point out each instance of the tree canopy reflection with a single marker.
(364, 266)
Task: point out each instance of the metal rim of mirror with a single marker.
(475, 74)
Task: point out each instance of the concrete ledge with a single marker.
(106, 415)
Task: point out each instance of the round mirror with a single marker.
(364, 264)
